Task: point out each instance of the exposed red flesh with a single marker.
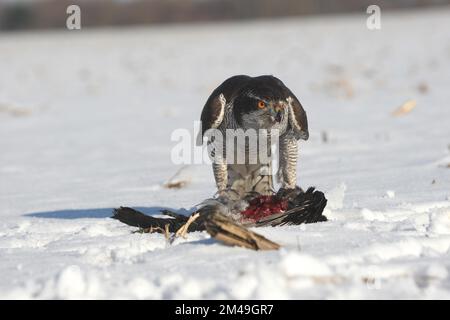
(263, 206)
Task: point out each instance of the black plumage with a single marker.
(303, 207)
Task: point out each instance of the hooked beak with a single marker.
(276, 111)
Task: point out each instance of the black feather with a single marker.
(138, 219)
(303, 207)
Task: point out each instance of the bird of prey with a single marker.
(243, 102)
(263, 102)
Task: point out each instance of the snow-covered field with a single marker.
(85, 124)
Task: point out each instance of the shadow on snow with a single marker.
(98, 213)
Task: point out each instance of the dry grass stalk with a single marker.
(177, 181)
(14, 111)
(150, 230)
(405, 108)
(166, 232)
(184, 228)
(175, 185)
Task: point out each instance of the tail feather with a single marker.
(306, 207)
(138, 219)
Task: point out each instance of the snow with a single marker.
(85, 124)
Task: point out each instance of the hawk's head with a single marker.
(261, 104)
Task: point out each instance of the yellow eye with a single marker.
(261, 104)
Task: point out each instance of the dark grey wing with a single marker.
(297, 118)
(214, 110)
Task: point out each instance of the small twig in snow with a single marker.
(405, 108)
(184, 228)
